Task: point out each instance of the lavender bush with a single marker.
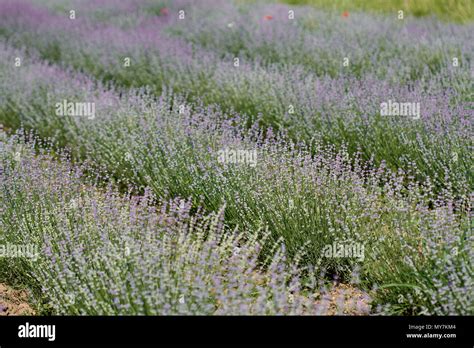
(104, 253)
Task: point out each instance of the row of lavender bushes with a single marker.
(331, 104)
(409, 231)
(103, 253)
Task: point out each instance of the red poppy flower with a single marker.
(345, 14)
(268, 18)
(164, 11)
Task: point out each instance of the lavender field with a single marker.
(217, 157)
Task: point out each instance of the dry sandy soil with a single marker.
(340, 300)
(14, 302)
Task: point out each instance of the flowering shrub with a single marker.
(103, 253)
(281, 65)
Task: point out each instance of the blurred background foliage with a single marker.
(450, 10)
